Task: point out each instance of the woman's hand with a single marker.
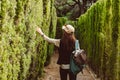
(39, 30)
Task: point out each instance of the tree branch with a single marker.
(75, 1)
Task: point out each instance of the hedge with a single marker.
(99, 33)
(22, 51)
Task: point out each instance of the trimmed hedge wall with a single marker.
(99, 33)
(22, 51)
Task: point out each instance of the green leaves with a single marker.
(98, 32)
(23, 52)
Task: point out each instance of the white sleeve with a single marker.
(56, 42)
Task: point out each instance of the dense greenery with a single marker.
(99, 33)
(72, 8)
(22, 51)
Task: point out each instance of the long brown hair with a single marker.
(68, 40)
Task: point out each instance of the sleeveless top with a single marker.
(64, 55)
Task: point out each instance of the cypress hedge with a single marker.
(22, 51)
(98, 31)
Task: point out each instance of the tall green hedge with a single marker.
(22, 51)
(99, 33)
(52, 31)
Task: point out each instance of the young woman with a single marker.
(66, 46)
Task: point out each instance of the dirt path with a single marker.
(52, 71)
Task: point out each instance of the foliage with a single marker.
(72, 8)
(98, 32)
(23, 51)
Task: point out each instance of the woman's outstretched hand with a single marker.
(39, 30)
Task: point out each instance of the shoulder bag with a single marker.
(77, 59)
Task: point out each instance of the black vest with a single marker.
(64, 55)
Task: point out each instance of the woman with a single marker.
(66, 46)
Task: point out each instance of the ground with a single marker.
(51, 72)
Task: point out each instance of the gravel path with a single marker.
(52, 71)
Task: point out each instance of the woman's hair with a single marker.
(68, 41)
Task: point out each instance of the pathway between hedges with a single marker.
(51, 72)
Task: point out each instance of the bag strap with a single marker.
(77, 46)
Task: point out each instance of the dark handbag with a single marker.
(75, 69)
(77, 59)
(80, 57)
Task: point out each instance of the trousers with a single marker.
(66, 72)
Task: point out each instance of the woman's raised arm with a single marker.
(56, 42)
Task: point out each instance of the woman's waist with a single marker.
(65, 66)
